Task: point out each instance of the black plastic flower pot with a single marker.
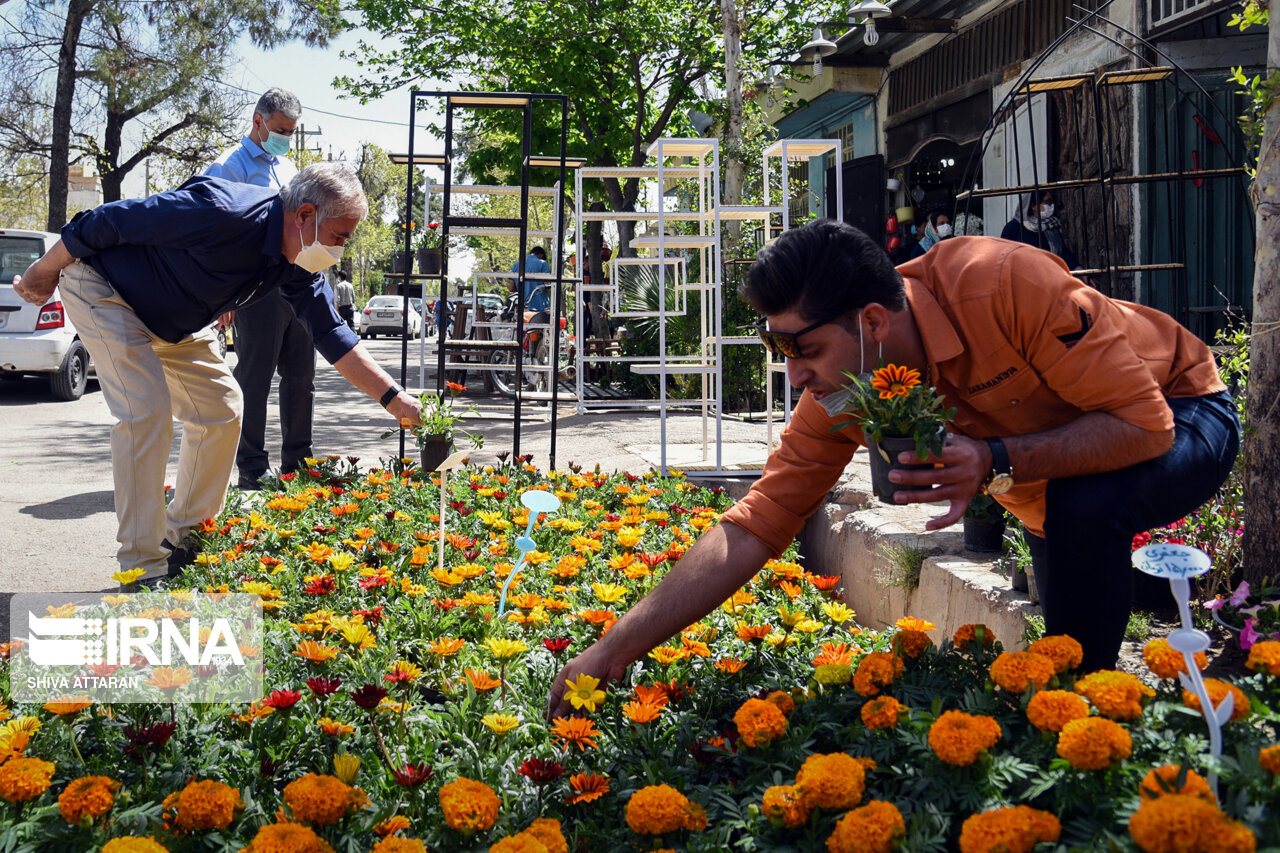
(884, 456)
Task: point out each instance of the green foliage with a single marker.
(1261, 89)
(896, 403)
(1138, 628)
(900, 564)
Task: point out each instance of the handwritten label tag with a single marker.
(1171, 561)
(454, 460)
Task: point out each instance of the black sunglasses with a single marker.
(783, 344)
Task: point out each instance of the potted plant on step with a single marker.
(437, 430)
(984, 524)
(429, 249)
(896, 412)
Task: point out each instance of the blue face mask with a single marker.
(276, 144)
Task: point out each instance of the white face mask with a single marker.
(1046, 210)
(944, 230)
(317, 256)
(834, 402)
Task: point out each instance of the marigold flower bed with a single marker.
(403, 714)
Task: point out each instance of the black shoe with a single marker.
(252, 482)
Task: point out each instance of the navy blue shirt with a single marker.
(183, 257)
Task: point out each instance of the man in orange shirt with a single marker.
(1094, 419)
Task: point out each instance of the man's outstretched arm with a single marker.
(724, 559)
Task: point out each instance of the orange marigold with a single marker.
(659, 809)
(1160, 782)
(1050, 710)
(1092, 743)
(1269, 759)
(1065, 651)
(967, 635)
(1015, 829)
(204, 804)
(1017, 671)
(909, 643)
(134, 844)
(87, 797)
(760, 723)
(392, 825)
(783, 700)
(469, 806)
(1164, 662)
(1117, 695)
(290, 837)
(882, 712)
(1218, 690)
(876, 671)
(1265, 657)
(23, 779)
(834, 781)
(785, 805)
(873, 828)
(1182, 822)
(396, 844)
(322, 799)
(959, 738)
(548, 831)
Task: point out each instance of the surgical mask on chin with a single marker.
(835, 402)
(1046, 211)
(944, 231)
(317, 256)
(276, 144)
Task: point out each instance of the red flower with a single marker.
(322, 585)
(373, 617)
(324, 686)
(283, 700)
(540, 770)
(413, 775)
(368, 696)
(290, 477)
(372, 581)
(1141, 541)
(631, 478)
(321, 529)
(556, 645)
(653, 560)
(445, 604)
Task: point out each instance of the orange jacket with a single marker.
(1017, 346)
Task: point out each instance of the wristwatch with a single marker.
(1000, 480)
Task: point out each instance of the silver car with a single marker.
(37, 340)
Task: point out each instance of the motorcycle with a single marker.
(536, 350)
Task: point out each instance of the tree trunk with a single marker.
(733, 100)
(1262, 444)
(64, 94)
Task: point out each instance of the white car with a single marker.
(37, 339)
(384, 315)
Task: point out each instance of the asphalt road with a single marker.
(56, 500)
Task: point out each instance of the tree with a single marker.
(99, 65)
(23, 194)
(375, 238)
(1262, 441)
(628, 66)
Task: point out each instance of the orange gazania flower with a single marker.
(730, 665)
(168, 678)
(335, 727)
(575, 731)
(67, 706)
(587, 787)
(641, 712)
(753, 633)
(894, 380)
(654, 695)
(481, 680)
(446, 646)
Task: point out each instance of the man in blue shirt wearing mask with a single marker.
(268, 337)
(143, 279)
(535, 299)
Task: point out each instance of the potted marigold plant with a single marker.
(437, 429)
(896, 412)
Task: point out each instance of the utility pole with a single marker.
(148, 178)
(301, 135)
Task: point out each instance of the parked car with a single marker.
(384, 315)
(37, 339)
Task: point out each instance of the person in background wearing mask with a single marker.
(269, 339)
(936, 227)
(1036, 225)
(143, 280)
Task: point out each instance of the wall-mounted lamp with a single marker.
(816, 48)
(869, 10)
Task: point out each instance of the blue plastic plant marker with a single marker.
(537, 502)
(1180, 563)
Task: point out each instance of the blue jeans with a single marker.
(1083, 565)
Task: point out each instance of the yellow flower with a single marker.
(629, 537)
(608, 593)
(500, 723)
(128, 578)
(505, 649)
(584, 693)
(403, 672)
(346, 767)
(837, 612)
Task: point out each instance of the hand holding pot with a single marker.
(965, 463)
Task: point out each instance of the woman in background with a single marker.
(1037, 226)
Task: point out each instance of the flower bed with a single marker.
(401, 711)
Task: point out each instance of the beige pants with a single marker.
(147, 382)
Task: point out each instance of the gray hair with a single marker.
(277, 100)
(332, 186)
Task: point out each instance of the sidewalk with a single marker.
(56, 503)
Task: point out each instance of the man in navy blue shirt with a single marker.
(143, 279)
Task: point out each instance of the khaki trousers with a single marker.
(147, 382)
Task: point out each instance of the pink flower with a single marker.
(1238, 597)
(1214, 603)
(1248, 636)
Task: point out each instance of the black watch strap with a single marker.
(999, 456)
(390, 394)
